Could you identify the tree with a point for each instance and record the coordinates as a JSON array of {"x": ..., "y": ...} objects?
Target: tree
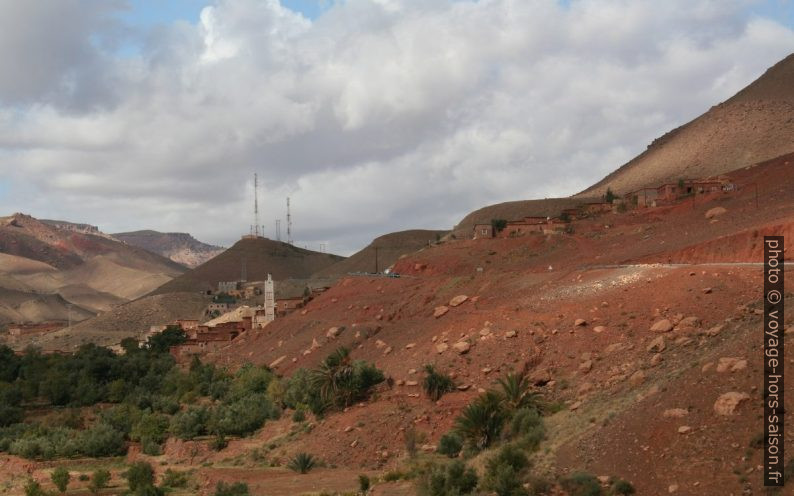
[
  {"x": 99, "y": 480},
  {"x": 516, "y": 393},
  {"x": 139, "y": 475},
  {"x": 609, "y": 196},
  {"x": 498, "y": 225},
  {"x": 481, "y": 422},
  {"x": 61, "y": 477}
]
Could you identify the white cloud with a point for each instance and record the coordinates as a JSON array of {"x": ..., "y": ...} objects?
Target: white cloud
[{"x": 377, "y": 116}]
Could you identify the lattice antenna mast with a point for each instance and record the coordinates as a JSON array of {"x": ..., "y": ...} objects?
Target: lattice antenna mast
[
  {"x": 289, "y": 224},
  {"x": 256, "y": 206}
]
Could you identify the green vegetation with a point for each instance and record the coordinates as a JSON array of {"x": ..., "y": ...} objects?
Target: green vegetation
[
  {"x": 581, "y": 484},
  {"x": 60, "y": 477},
  {"x": 622, "y": 488},
  {"x": 336, "y": 383},
  {"x": 504, "y": 471},
  {"x": 481, "y": 422},
  {"x": 498, "y": 225},
  {"x": 436, "y": 384},
  {"x": 235, "y": 489},
  {"x": 450, "y": 444},
  {"x": 302, "y": 463},
  {"x": 364, "y": 484},
  {"x": 99, "y": 480},
  {"x": 610, "y": 196},
  {"x": 450, "y": 480}
]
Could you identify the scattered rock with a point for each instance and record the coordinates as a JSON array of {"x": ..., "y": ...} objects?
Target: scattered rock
[
  {"x": 727, "y": 364},
  {"x": 580, "y": 322},
  {"x": 675, "y": 413},
  {"x": 672, "y": 488},
  {"x": 657, "y": 345},
  {"x": 599, "y": 329},
  {"x": 586, "y": 366},
  {"x": 510, "y": 334},
  {"x": 275, "y": 363},
  {"x": 485, "y": 332},
  {"x": 656, "y": 359},
  {"x": 727, "y": 403},
  {"x": 410, "y": 345},
  {"x": 706, "y": 290},
  {"x": 715, "y": 330},
  {"x": 439, "y": 311},
  {"x": 464, "y": 387},
  {"x": 684, "y": 429},
  {"x": 539, "y": 377},
  {"x": 706, "y": 367},
  {"x": 637, "y": 378},
  {"x": 663, "y": 325},
  {"x": 458, "y": 300},
  {"x": 461, "y": 347},
  {"x": 387, "y": 350},
  {"x": 442, "y": 347},
  {"x": 575, "y": 406},
  {"x": 411, "y": 383},
  {"x": 715, "y": 212}
]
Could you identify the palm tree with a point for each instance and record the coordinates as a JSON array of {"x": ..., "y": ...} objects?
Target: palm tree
[
  {"x": 333, "y": 372},
  {"x": 302, "y": 463},
  {"x": 481, "y": 422},
  {"x": 516, "y": 393}
]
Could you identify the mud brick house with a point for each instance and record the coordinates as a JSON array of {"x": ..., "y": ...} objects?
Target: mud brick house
[
  {"x": 228, "y": 286},
  {"x": 483, "y": 231},
  {"x": 594, "y": 208},
  {"x": 643, "y": 197},
  {"x": 16, "y": 331}
]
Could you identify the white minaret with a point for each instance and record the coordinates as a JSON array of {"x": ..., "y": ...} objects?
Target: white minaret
[{"x": 270, "y": 300}]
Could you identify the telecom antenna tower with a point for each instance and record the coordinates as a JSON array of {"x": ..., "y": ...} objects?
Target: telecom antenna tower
[
  {"x": 255, "y": 230},
  {"x": 289, "y": 224}
]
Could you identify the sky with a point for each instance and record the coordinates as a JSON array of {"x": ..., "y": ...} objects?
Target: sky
[{"x": 373, "y": 116}]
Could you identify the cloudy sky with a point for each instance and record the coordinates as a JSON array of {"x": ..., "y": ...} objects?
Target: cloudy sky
[{"x": 372, "y": 115}]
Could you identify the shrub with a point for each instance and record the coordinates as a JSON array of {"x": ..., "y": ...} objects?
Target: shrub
[
  {"x": 452, "y": 480},
  {"x": 190, "y": 423},
  {"x": 84, "y": 477},
  {"x": 363, "y": 484},
  {"x": 436, "y": 384},
  {"x": 172, "y": 478},
  {"x": 102, "y": 440},
  {"x": 481, "y": 422},
  {"x": 581, "y": 484},
  {"x": 236, "y": 489},
  {"x": 503, "y": 471},
  {"x": 610, "y": 196},
  {"x": 99, "y": 480},
  {"x": 61, "y": 477},
  {"x": 527, "y": 428},
  {"x": 33, "y": 488},
  {"x": 219, "y": 442},
  {"x": 340, "y": 382},
  {"x": 242, "y": 417},
  {"x": 10, "y": 415},
  {"x": 450, "y": 444},
  {"x": 139, "y": 475},
  {"x": 622, "y": 488},
  {"x": 299, "y": 415},
  {"x": 302, "y": 463}
]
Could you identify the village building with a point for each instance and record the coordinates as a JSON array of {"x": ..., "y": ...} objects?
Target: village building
[
  {"x": 483, "y": 231},
  {"x": 18, "y": 331},
  {"x": 228, "y": 286}
]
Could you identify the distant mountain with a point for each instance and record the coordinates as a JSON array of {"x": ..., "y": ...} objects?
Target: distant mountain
[
  {"x": 389, "y": 247},
  {"x": 46, "y": 266},
  {"x": 755, "y": 125},
  {"x": 257, "y": 257},
  {"x": 179, "y": 247}
]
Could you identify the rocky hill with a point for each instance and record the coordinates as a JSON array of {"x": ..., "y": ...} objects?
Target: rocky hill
[
  {"x": 51, "y": 264},
  {"x": 182, "y": 248},
  {"x": 390, "y": 247},
  {"x": 257, "y": 257},
  {"x": 756, "y": 124}
]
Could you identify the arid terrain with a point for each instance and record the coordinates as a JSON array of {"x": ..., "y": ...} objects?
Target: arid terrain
[{"x": 637, "y": 329}]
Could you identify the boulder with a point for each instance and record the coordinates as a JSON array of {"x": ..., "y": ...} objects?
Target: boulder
[
  {"x": 657, "y": 345},
  {"x": 442, "y": 347},
  {"x": 580, "y": 322},
  {"x": 461, "y": 347},
  {"x": 637, "y": 378},
  {"x": 715, "y": 212},
  {"x": 539, "y": 377},
  {"x": 334, "y": 332},
  {"x": 458, "y": 300},
  {"x": 599, "y": 329},
  {"x": 663, "y": 325},
  {"x": 510, "y": 334},
  {"x": 586, "y": 366},
  {"x": 439, "y": 311},
  {"x": 684, "y": 429},
  {"x": 730, "y": 364},
  {"x": 675, "y": 413},
  {"x": 727, "y": 403}
]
